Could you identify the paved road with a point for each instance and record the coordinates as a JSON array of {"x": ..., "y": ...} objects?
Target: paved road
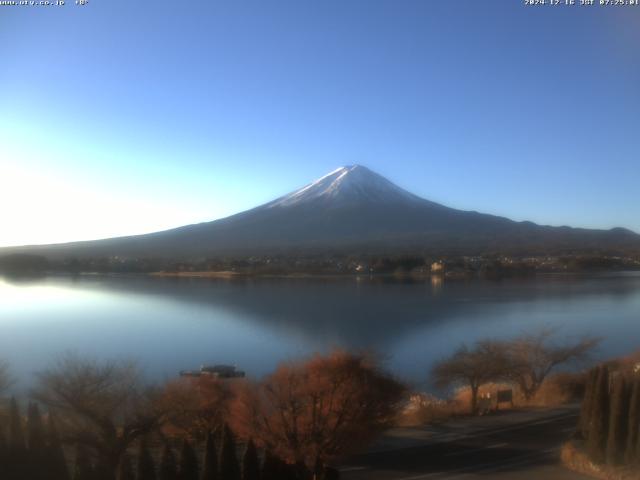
[{"x": 515, "y": 446}]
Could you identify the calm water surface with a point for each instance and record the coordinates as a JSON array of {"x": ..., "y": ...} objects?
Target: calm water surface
[{"x": 174, "y": 324}]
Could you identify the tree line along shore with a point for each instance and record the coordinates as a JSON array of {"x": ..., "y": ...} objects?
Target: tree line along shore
[{"x": 491, "y": 266}]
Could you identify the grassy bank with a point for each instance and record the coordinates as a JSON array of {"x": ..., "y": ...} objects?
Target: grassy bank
[{"x": 575, "y": 458}]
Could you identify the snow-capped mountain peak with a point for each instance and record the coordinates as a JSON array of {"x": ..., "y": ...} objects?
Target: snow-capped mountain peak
[
  {"x": 350, "y": 210},
  {"x": 348, "y": 184}
]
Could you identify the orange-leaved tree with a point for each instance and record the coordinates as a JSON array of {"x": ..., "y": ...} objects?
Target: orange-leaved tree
[
  {"x": 196, "y": 406},
  {"x": 322, "y": 408}
]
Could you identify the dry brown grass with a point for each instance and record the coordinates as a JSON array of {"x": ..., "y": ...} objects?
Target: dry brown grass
[
  {"x": 629, "y": 363},
  {"x": 557, "y": 390},
  {"x": 575, "y": 459},
  {"x": 424, "y": 409}
]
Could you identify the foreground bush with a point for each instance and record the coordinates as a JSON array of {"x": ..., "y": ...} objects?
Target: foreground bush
[
  {"x": 525, "y": 362},
  {"x": 422, "y": 409},
  {"x": 309, "y": 413}
]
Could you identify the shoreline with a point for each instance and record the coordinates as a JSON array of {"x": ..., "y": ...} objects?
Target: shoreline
[
  {"x": 229, "y": 274},
  {"x": 417, "y": 276}
]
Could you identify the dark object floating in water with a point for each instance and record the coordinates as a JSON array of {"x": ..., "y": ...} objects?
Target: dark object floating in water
[{"x": 216, "y": 371}]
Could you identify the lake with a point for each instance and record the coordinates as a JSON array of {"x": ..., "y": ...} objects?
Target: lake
[{"x": 169, "y": 324}]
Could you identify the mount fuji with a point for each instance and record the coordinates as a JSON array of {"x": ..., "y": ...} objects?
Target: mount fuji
[{"x": 351, "y": 209}]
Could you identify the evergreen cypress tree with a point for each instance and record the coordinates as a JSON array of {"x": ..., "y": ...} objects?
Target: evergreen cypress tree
[
  {"x": 35, "y": 429},
  {"x": 125, "y": 469},
  {"x": 587, "y": 402},
  {"x": 83, "y": 470},
  {"x": 18, "y": 466},
  {"x": 300, "y": 470},
  {"x": 146, "y": 468},
  {"x": 598, "y": 426},
  {"x": 16, "y": 433},
  {"x": 633, "y": 430},
  {"x": 331, "y": 474},
  {"x": 318, "y": 469},
  {"x": 56, "y": 461},
  {"x": 618, "y": 422},
  {"x": 4, "y": 455},
  {"x": 250, "y": 462},
  {"x": 168, "y": 465},
  {"x": 285, "y": 470},
  {"x": 636, "y": 460},
  {"x": 210, "y": 464},
  {"x": 36, "y": 442},
  {"x": 188, "y": 462},
  {"x": 229, "y": 466},
  {"x": 270, "y": 467},
  {"x": 103, "y": 471}
]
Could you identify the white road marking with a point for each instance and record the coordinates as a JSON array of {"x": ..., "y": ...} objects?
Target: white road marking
[{"x": 353, "y": 469}]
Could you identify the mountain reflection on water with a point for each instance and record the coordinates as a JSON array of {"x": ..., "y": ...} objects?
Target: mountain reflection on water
[{"x": 168, "y": 324}]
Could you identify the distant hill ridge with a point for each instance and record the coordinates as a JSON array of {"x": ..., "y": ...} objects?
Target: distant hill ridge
[{"x": 349, "y": 209}]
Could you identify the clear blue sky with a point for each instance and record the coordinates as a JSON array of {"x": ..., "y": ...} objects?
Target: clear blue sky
[{"x": 132, "y": 116}]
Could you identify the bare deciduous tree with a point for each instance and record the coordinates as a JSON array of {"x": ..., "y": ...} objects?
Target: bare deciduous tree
[
  {"x": 472, "y": 367},
  {"x": 533, "y": 356},
  {"x": 103, "y": 406},
  {"x": 322, "y": 408}
]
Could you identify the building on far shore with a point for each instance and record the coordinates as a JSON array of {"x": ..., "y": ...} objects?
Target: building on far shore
[{"x": 437, "y": 267}]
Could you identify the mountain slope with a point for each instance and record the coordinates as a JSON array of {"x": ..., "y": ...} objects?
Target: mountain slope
[{"x": 351, "y": 208}]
